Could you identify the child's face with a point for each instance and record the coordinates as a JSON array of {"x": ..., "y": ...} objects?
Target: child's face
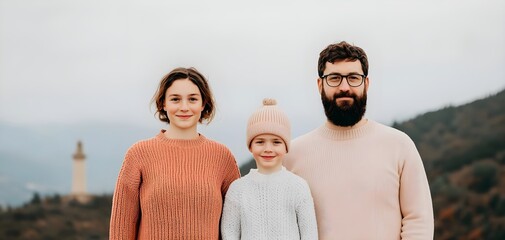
[{"x": 268, "y": 150}]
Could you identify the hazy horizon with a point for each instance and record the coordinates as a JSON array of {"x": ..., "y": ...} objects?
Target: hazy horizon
[{"x": 91, "y": 62}]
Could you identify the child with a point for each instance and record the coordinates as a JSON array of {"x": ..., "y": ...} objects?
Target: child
[{"x": 269, "y": 202}]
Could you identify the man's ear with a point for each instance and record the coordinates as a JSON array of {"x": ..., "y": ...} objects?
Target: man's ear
[
  {"x": 320, "y": 85},
  {"x": 366, "y": 83}
]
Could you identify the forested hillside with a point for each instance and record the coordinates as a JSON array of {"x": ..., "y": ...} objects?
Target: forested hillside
[
  {"x": 57, "y": 217},
  {"x": 463, "y": 149}
]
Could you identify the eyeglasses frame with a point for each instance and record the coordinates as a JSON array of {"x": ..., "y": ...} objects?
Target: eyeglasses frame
[{"x": 325, "y": 78}]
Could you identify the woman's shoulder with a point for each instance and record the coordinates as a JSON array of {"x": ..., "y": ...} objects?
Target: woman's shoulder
[
  {"x": 144, "y": 144},
  {"x": 215, "y": 143},
  {"x": 218, "y": 147}
]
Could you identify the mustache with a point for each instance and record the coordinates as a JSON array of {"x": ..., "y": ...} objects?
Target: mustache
[{"x": 344, "y": 94}]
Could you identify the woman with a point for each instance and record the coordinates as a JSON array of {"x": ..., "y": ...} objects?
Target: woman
[{"x": 172, "y": 185}]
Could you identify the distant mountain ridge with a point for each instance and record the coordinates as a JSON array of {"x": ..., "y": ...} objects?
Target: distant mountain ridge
[{"x": 453, "y": 137}]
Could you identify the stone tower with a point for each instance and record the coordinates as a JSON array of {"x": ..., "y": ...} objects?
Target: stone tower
[{"x": 79, "y": 174}]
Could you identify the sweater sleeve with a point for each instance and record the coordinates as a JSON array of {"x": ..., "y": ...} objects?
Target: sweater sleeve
[
  {"x": 306, "y": 215},
  {"x": 231, "y": 172},
  {"x": 125, "y": 203},
  {"x": 415, "y": 198},
  {"x": 230, "y": 222}
]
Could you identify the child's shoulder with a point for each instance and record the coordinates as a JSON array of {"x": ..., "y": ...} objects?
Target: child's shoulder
[
  {"x": 296, "y": 181},
  {"x": 292, "y": 176},
  {"x": 238, "y": 186},
  {"x": 239, "y": 183}
]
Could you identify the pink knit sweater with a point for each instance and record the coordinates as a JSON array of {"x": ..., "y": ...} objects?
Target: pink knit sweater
[
  {"x": 367, "y": 183},
  {"x": 172, "y": 189}
]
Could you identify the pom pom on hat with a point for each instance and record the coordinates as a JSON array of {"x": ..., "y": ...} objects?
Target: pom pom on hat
[
  {"x": 269, "y": 119},
  {"x": 269, "y": 102}
]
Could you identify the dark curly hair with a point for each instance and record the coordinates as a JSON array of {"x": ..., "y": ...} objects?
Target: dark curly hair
[{"x": 342, "y": 51}]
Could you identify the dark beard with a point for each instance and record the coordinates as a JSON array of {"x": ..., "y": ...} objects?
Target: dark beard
[{"x": 346, "y": 115}]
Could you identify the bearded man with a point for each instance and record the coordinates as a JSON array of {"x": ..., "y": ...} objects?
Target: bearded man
[{"x": 367, "y": 179}]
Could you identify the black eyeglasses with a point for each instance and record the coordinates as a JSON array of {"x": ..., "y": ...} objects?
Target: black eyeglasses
[{"x": 335, "y": 79}]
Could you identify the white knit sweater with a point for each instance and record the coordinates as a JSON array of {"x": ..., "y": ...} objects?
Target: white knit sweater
[{"x": 274, "y": 206}]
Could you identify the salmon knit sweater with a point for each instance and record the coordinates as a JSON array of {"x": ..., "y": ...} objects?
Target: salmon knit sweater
[
  {"x": 172, "y": 189},
  {"x": 367, "y": 183}
]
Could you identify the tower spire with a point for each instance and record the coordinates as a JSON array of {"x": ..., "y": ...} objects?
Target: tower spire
[
  {"x": 79, "y": 154},
  {"x": 79, "y": 174}
]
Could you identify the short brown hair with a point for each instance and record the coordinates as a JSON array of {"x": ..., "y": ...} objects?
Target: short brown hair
[
  {"x": 342, "y": 51},
  {"x": 195, "y": 77}
]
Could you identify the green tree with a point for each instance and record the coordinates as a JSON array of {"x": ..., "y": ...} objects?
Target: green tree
[
  {"x": 484, "y": 176},
  {"x": 36, "y": 199}
]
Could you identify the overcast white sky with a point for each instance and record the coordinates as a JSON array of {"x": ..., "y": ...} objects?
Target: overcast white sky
[{"x": 66, "y": 62}]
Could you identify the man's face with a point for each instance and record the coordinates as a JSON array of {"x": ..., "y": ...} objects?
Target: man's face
[{"x": 343, "y": 105}]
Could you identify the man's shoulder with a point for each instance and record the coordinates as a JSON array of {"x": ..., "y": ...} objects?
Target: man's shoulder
[
  {"x": 385, "y": 130},
  {"x": 300, "y": 147},
  {"x": 306, "y": 138},
  {"x": 393, "y": 137}
]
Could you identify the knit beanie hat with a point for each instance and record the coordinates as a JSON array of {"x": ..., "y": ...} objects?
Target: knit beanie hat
[{"x": 269, "y": 119}]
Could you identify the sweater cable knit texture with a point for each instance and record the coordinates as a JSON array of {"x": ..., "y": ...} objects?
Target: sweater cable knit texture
[{"x": 273, "y": 206}]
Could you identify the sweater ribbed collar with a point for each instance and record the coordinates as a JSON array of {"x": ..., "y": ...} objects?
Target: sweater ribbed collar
[
  {"x": 260, "y": 177},
  {"x": 184, "y": 143},
  {"x": 333, "y": 132}
]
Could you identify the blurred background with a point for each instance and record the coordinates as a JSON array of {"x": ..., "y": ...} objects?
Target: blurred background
[{"x": 86, "y": 71}]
